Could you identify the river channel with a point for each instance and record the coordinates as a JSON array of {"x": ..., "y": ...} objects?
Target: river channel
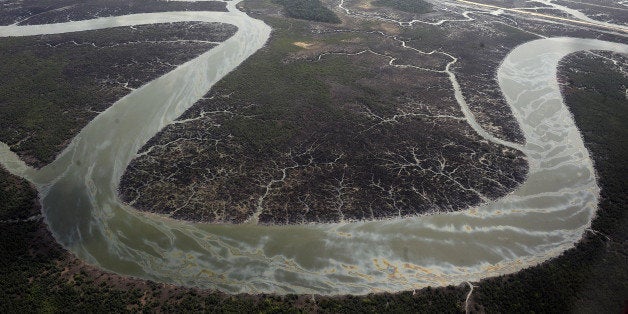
[{"x": 545, "y": 216}]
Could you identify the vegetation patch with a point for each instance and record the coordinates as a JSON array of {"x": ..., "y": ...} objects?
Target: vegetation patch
[
  {"x": 311, "y": 10},
  {"x": 323, "y": 133},
  {"x": 410, "y": 6},
  {"x": 18, "y": 198}
]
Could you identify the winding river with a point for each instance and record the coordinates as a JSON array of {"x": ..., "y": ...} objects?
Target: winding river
[{"x": 543, "y": 217}]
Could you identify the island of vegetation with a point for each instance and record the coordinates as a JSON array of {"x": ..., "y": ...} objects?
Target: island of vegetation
[
  {"x": 342, "y": 122},
  {"x": 326, "y": 124}
]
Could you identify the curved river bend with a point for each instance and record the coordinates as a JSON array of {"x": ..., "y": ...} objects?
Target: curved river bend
[{"x": 542, "y": 218}]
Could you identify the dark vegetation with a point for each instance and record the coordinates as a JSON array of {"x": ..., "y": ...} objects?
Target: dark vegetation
[
  {"x": 298, "y": 138},
  {"x": 311, "y": 10},
  {"x": 410, "y": 6},
  {"x": 36, "y": 275},
  {"x": 32, "y": 12},
  {"x": 52, "y": 85},
  {"x": 18, "y": 199}
]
